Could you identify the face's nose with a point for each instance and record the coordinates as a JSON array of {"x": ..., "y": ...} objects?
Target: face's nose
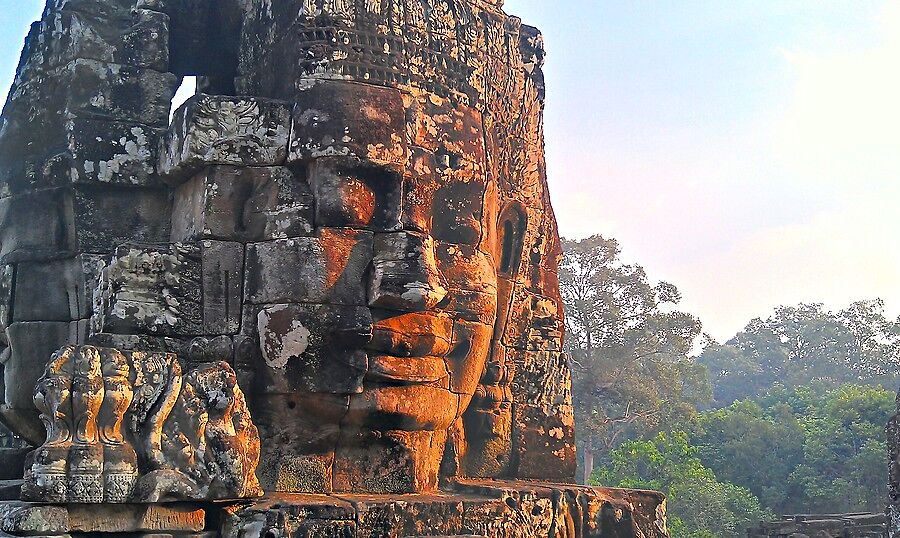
[{"x": 404, "y": 275}]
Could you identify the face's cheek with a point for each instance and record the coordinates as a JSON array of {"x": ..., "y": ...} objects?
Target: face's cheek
[
  {"x": 471, "y": 279},
  {"x": 458, "y": 205}
]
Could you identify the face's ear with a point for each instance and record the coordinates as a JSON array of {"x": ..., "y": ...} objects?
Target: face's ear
[{"x": 511, "y": 231}]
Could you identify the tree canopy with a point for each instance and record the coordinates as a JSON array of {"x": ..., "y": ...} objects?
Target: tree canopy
[
  {"x": 804, "y": 344},
  {"x": 700, "y": 505}
]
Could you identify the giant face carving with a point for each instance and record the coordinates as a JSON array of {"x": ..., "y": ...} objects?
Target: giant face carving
[{"x": 395, "y": 336}]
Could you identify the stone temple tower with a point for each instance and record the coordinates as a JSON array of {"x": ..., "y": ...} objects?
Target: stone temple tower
[{"x": 320, "y": 299}]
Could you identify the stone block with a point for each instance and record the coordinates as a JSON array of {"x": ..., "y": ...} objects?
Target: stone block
[
  {"x": 80, "y": 150},
  {"x": 295, "y": 348},
  {"x": 11, "y": 490},
  {"x": 405, "y": 274},
  {"x": 283, "y": 359},
  {"x": 441, "y": 125},
  {"x": 136, "y": 518},
  {"x": 12, "y": 462},
  {"x": 142, "y": 342},
  {"x": 190, "y": 350},
  {"x": 339, "y": 119},
  {"x": 300, "y": 516},
  {"x": 57, "y": 290},
  {"x": 31, "y": 345},
  {"x": 420, "y": 182},
  {"x": 543, "y": 378},
  {"x": 466, "y": 268},
  {"x": 544, "y": 441},
  {"x": 25, "y": 519},
  {"x": 151, "y": 290},
  {"x": 351, "y": 194},
  {"x": 415, "y": 334},
  {"x": 107, "y": 33},
  {"x": 471, "y": 306},
  {"x": 534, "y": 321},
  {"x": 285, "y": 57},
  {"x": 242, "y": 204},
  {"x": 113, "y": 152},
  {"x": 216, "y": 130},
  {"x": 488, "y": 442},
  {"x": 328, "y": 268},
  {"x": 181, "y": 290},
  {"x": 404, "y": 404},
  {"x": 35, "y": 226},
  {"x": 299, "y": 433},
  {"x": 458, "y": 203},
  {"x": 141, "y": 215},
  {"x": 222, "y": 273},
  {"x": 392, "y": 462},
  {"x": 7, "y": 281},
  {"x": 62, "y": 222},
  {"x": 422, "y": 515},
  {"x": 116, "y": 92},
  {"x": 470, "y": 346},
  {"x": 471, "y": 509}
]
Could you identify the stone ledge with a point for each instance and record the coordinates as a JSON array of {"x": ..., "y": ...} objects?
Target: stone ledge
[
  {"x": 468, "y": 508},
  {"x": 33, "y": 519},
  {"x": 472, "y": 509}
]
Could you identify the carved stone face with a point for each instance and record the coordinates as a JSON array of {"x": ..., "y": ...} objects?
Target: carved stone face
[
  {"x": 432, "y": 285},
  {"x": 395, "y": 333}
]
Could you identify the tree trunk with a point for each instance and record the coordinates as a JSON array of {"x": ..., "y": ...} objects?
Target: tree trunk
[{"x": 588, "y": 468}]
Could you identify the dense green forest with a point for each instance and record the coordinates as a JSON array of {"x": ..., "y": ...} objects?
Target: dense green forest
[{"x": 786, "y": 417}]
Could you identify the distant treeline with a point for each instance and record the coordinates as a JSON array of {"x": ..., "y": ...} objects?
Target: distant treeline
[{"x": 786, "y": 417}]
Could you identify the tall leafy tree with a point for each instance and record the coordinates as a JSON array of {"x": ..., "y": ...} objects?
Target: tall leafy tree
[
  {"x": 844, "y": 466},
  {"x": 735, "y": 440},
  {"x": 629, "y": 346}
]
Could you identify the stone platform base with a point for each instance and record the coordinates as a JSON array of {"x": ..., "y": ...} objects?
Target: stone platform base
[{"x": 468, "y": 509}]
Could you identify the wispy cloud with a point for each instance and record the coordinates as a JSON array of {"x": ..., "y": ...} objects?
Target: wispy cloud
[{"x": 843, "y": 126}]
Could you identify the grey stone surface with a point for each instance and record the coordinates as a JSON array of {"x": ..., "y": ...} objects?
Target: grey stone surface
[
  {"x": 243, "y": 204},
  {"x": 215, "y": 130},
  {"x": 329, "y": 268}
]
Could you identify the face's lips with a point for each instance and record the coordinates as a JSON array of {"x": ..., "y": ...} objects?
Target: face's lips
[{"x": 406, "y": 370}]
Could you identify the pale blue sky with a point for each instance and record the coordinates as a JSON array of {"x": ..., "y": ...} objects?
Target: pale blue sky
[{"x": 745, "y": 150}]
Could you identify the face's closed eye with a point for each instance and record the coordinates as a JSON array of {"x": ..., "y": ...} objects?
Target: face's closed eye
[{"x": 355, "y": 194}]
